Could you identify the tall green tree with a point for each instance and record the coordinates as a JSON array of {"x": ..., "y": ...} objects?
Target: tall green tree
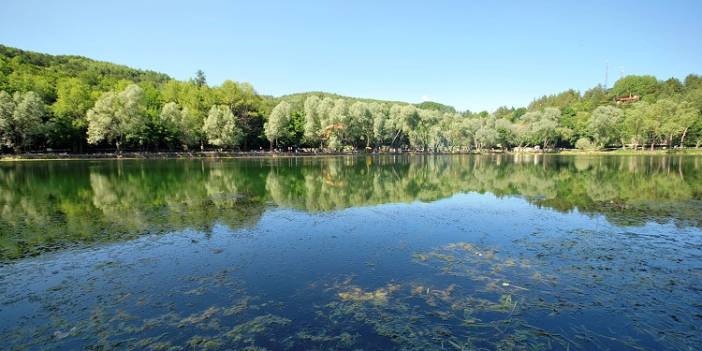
[
  {"x": 7, "y": 109},
  {"x": 27, "y": 119},
  {"x": 636, "y": 122},
  {"x": 68, "y": 124},
  {"x": 312, "y": 123},
  {"x": 180, "y": 125},
  {"x": 361, "y": 122},
  {"x": 605, "y": 125},
  {"x": 117, "y": 117},
  {"x": 277, "y": 125},
  {"x": 643, "y": 86},
  {"x": 221, "y": 127},
  {"x": 200, "y": 79}
]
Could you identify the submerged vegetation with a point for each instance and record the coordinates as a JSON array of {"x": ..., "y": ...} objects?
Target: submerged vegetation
[
  {"x": 467, "y": 296},
  {"x": 77, "y": 104}
]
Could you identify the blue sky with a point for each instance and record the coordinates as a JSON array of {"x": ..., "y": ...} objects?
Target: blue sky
[{"x": 472, "y": 55}]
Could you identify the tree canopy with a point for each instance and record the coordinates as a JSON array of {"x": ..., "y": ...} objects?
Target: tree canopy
[{"x": 74, "y": 103}]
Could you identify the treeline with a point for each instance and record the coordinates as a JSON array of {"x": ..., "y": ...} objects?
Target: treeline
[
  {"x": 74, "y": 103},
  {"x": 638, "y": 111}
]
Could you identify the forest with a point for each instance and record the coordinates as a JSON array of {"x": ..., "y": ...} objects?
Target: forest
[{"x": 75, "y": 104}]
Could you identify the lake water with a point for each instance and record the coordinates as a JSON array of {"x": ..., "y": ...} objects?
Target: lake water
[{"x": 357, "y": 253}]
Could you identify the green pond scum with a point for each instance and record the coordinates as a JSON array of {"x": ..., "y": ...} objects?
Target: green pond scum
[{"x": 492, "y": 252}]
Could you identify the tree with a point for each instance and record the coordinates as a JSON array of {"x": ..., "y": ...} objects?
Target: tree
[
  {"x": 27, "y": 119},
  {"x": 361, "y": 122},
  {"x": 420, "y": 127},
  {"x": 605, "y": 125},
  {"x": 312, "y": 119},
  {"x": 335, "y": 125},
  {"x": 117, "y": 117},
  {"x": 396, "y": 122},
  {"x": 540, "y": 126},
  {"x": 643, "y": 86},
  {"x": 180, "y": 125},
  {"x": 221, "y": 127},
  {"x": 169, "y": 120},
  {"x": 505, "y": 132},
  {"x": 379, "y": 112},
  {"x": 277, "y": 125},
  {"x": 486, "y": 136},
  {"x": 634, "y": 127},
  {"x": 7, "y": 109},
  {"x": 74, "y": 99},
  {"x": 200, "y": 79},
  {"x": 676, "y": 119}
]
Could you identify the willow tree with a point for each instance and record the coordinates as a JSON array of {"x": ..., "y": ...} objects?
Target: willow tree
[
  {"x": 27, "y": 119},
  {"x": 361, "y": 122},
  {"x": 395, "y": 122},
  {"x": 181, "y": 125},
  {"x": 605, "y": 125},
  {"x": 221, "y": 127},
  {"x": 333, "y": 121},
  {"x": 380, "y": 122},
  {"x": 7, "y": 107},
  {"x": 277, "y": 124},
  {"x": 117, "y": 117},
  {"x": 312, "y": 119},
  {"x": 634, "y": 123},
  {"x": 540, "y": 127},
  {"x": 419, "y": 126}
]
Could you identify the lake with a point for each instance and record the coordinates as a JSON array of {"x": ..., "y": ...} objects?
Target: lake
[{"x": 505, "y": 252}]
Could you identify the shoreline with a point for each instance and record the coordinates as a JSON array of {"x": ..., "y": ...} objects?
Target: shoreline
[{"x": 49, "y": 156}]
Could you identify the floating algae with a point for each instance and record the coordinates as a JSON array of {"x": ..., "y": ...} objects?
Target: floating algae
[
  {"x": 203, "y": 343},
  {"x": 237, "y": 308},
  {"x": 483, "y": 265},
  {"x": 421, "y": 316},
  {"x": 343, "y": 340},
  {"x": 377, "y": 296},
  {"x": 198, "y": 318},
  {"x": 248, "y": 331}
]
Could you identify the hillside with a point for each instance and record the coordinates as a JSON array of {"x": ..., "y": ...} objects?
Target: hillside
[{"x": 22, "y": 70}]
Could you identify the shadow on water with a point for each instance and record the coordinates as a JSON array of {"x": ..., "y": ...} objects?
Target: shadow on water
[{"x": 509, "y": 252}]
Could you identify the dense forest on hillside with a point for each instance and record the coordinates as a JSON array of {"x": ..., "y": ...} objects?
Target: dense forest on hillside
[{"x": 73, "y": 103}]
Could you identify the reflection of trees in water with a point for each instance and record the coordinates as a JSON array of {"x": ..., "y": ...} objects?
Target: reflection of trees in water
[{"x": 49, "y": 204}]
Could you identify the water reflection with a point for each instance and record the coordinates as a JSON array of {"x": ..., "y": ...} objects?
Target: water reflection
[
  {"x": 497, "y": 252},
  {"x": 45, "y": 205}
]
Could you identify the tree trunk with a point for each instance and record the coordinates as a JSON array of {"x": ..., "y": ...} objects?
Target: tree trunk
[
  {"x": 396, "y": 135},
  {"x": 682, "y": 139}
]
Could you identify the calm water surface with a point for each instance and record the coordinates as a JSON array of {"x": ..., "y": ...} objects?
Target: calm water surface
[{"x": 365, "y": 253}]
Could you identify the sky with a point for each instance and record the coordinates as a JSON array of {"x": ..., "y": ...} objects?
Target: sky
[{"x": 475, "y": 55}]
